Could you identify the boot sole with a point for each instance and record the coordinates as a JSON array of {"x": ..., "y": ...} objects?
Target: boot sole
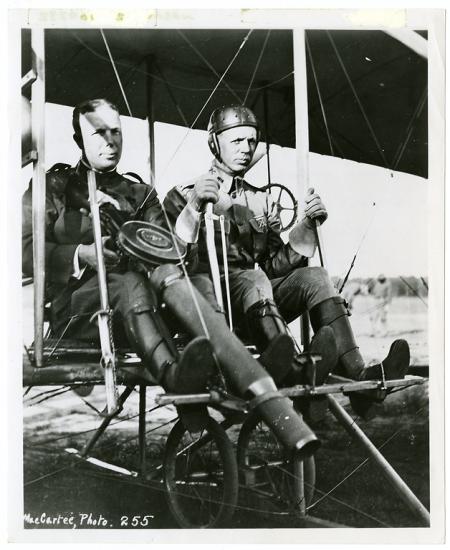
[
  {"x": 196, "y": 367},
  {"x": 396, "y": 364}
]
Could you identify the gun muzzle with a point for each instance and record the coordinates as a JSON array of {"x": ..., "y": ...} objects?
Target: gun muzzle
[
  {"x": 244, "y": 374},
  {"x": 286, "y": 423}
]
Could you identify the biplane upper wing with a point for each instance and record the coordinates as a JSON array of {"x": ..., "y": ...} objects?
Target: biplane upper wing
[{"x": 367, "y": 92}]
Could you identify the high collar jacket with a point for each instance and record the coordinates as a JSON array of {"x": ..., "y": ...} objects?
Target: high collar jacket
[{"x": 66, "y": 226}]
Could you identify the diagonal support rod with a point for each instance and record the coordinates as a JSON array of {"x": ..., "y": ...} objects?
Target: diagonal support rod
[{"x": 397, "y": 483}]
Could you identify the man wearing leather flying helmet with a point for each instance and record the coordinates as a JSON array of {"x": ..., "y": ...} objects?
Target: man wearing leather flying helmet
[
  {"x": 135, "y": 295},
  {"x": 265, "y": 299}
]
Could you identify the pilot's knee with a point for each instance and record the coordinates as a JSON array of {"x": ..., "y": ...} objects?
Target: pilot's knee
[
  {"x": 254, "y": 287},
  {"x": 316, "y": 284}
]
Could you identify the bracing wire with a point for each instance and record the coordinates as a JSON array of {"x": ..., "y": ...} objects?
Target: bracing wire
[
  {"x": 171, "y": 84},
  {"x": 169, "y": 225},
  {"x": 90, "y": 430},
  {"x": 244, "y": 41},
  {"x": 365, "y": 461},
  {"x": 417, "y": 112},
  {"x": 413, "y": 290},
  {"x": 207, "y": 63},
  {"x": 352, "y": 264},
  {"x": 255, "y": 70},
  {"x": 322, "y": 107},
  {"x": 123, "y": 92},
  {"x": 360, "y": 105},
  {"x": 316, "y": 82},
  {"x": 116, "y": 72}
]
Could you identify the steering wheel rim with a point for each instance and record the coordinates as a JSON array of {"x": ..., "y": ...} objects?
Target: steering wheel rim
[{"x": 284, "y": 191}]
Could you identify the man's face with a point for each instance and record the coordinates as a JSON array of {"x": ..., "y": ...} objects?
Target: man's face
[
  {"x": 102, "y": 138},
  {"x": 237, "y": 146}
]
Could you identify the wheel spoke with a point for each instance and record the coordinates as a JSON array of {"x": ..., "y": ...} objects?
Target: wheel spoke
[
  {"x": 268, "y": 474},
  {"x": 200, "y": 475}
]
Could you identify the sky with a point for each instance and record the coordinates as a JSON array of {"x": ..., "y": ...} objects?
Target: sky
[{"x": 382, "y": 213}]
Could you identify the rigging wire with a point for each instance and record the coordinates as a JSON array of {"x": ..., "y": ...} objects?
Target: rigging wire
[
  {"x": 399, "y": 153},
  {"x": 50, "y": 393},
  {"x": 54, "y": 472},
  {"x": 169, "y": 225},
  {"x": 425, "y": 284},
  {"x": 182, "y": 264},
  {"x": 116, "y": 72},
  {"x": 166, "y": 168},
  {"x": 177, "y": 86},
  {"x": 213, "y": 501},
  {"x": 352, "y": 264},
  {"x": 243, "y": 43},
  {"x": 255, "y": 70},
  {"x": 316, "y": 81},
  {"x": 207, "y": 63},
  {"x": 365, "y": 461},
  {"x": 324, "y": 495},
  {"x": 55, "y": 394},
  {"x": 413, "y": 291},
  {"x": 90, "y": 430},
  {"x": 415, "y": 116},
  {"x": 156, "y": 486},
  {"x": 355, "y": 93},
  {"x": 117, "y": 444}
]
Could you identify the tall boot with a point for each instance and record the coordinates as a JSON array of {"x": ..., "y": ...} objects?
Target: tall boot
[
  {"x": 242, "y": 372},
  {"x": 269, "y": 331},
  {"x": 333, "y": 313},
  {"x": 150, "y": 338}
]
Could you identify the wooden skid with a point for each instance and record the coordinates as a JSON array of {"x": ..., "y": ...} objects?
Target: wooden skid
[
  {"x": 133, "y": 373},
  {"x": 82, "y": 373},
  {"x": 101, "y": 463}
]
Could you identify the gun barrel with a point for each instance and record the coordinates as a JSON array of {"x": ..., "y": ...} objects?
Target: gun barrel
[{"x": 242, "y": 371}]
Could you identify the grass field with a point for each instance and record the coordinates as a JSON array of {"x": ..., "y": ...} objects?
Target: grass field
[{"x": 55, "y": 484}]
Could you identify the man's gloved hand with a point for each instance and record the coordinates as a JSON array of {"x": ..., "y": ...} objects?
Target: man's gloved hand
[
  {"x": 87, "y": 255},
  {"x": 204, "y": 191},
  {"x": 314, "y": 208},
  {"x": 302, "y": 238},
  {"x": 102, "y": 198}
]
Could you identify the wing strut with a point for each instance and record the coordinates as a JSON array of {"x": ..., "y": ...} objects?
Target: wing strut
[{"x": 38, "y": 197}]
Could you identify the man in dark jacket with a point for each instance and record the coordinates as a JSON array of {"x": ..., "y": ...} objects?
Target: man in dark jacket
[
  {"x": 285, "y": 285},
  {"x": 135, "y": 296},
  {"x": 71, "y": 277}
]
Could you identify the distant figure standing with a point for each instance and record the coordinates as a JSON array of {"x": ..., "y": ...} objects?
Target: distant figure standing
[{"x": 382, "y": 294}]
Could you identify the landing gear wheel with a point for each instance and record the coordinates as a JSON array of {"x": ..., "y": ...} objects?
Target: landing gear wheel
[
  {"x": 200, "y": 476},
  {"x": 269, "y": 475}
]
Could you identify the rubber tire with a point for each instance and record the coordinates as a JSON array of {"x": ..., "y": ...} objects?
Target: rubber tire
[
  {"x": 230, "y": 486},
  {"x": 309, "y": 466}
]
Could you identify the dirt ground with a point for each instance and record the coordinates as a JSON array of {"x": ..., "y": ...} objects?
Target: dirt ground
[{"x": 57, "y": 485}]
